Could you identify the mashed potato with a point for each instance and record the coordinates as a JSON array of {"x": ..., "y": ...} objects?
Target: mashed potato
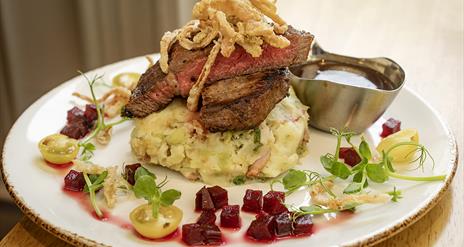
[{"x": 174, "y": 138}]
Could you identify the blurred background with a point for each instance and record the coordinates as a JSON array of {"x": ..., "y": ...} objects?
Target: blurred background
[{"x": 44, "y": 42}]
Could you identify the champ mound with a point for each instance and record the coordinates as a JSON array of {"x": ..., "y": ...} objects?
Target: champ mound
[
  {"x": 230, "y": 63},
  {"x": 174, "y": 138}
]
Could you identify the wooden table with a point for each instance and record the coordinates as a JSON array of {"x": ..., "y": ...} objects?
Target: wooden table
[{"x": 427, "y": 39}]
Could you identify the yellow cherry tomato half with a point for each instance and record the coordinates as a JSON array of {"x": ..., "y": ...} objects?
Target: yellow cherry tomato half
[
  {"x": 58, "y": 149},
  {"x": 127, "y": 79},
  {"x": 403, "y": 153},
  {"x": 167, "y": 222}
]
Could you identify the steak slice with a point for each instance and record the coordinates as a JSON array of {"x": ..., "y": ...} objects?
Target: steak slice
[
  {"x": 155, "y": 89},
  {"x": 242, "y": 102}
]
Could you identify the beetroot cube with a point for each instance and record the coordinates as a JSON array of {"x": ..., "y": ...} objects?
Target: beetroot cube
[
  {"x": 349, "y": 156},
  {"x": 196, "y": 234},
  {"x": 129, "y": 172},
  {"x": 74, "y": 181},
  {"x": 253, "y": 201},
  {"x": 90, "y": 114},
  {"x": 303, "y": 225},
  {"x": 207, "y": 218},
  {"x": 76, "y": 129},
  {"x": 283, "y": 225},
  {"x": 75, "y": 114},
  {"x": 262, "y": 228},
  {"x": 212, "y": 234},
  {"x": 230, "y": 216},
  {"x": 219, "y": 196},
  {"x": 273, "y": 202},
  {"x": 390, "y": 126},
  {"x": 203, "y": 200}
]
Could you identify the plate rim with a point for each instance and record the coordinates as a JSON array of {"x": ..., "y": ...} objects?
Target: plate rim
[{"x": 78, "y": 240}]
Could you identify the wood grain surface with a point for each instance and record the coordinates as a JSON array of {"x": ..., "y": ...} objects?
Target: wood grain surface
[{"x": 427, "y": 39}]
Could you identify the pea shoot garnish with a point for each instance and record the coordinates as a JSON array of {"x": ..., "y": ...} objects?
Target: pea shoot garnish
[
  {"x": 395, "y": 194},
  {"x": 295, "y": 179},
  {"x": 147, "y": 188},
  {"x": 87, "y": 147},
  {"x": 92, "y": 184},
  {"x": 368, "y": 169}
]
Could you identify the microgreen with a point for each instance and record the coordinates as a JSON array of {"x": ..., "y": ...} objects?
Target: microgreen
[
  {"x": 257, "y": 139},
  {"x": 239, "y": 180},
  {"x": 92, "y": 186},
  {"x": 141, "y": 171},
  {"x": 396, "y": 194},
  {"x": 87, "y": 147},
  {"x": 295, "y": 179},
  {"x": 316, "y": 209},
  {"x": 147, "y": 188},
  {"x": 377, "y": 172},
  {"x": 87, "y": 150}
]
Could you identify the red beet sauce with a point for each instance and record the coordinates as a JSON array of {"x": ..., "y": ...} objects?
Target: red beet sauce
[{"x": 84, "y": 201}]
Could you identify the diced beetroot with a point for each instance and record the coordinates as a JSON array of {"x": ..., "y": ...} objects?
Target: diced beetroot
[
  {"x": 212, "y": 234},
  {"x": 207, "y": 218},
  {"x": 219, "y": 196},
  {"x": 203, "y": 200},
  {"x": 262, "y": 228},
  {"x": 283, "y": 224},
  {"x": 196, "y": 234},
  {"x": 74, "y": 181},
  {"x": 192, "y": 234},
  {"x": 253, "y": 201},
  {"x": 76, "y": 130},
  {"x": 75, "y": 114},
  {"x": 273, "y": 202},
  {"x": 90, "y": 114},
  {"x": 349, "y": 155},
  {"x": 129, "y": 172},
  {"x": 230, "y": 216},
  {"x": 390, "y": 126},
  {"x": 303, "y": 225}
]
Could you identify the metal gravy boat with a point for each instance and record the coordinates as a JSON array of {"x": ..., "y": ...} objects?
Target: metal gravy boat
[{"x": 342, "y": 106}]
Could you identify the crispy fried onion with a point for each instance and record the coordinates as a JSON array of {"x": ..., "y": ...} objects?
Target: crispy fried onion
[
  {"x": 112, "y": 183},
  {"x": 113, "y": 100},
  {"x": 320, "y": 197},
  {"x": 194, "y": 95},
  {"x": 247, "y": 23}
]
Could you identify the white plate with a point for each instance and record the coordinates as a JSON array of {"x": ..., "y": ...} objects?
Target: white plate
[{"x": 37, "y": 189}]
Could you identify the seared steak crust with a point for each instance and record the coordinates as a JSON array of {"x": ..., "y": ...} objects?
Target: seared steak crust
[
  {"x": 156, "y": 90},
  {"x": 242, "y": 102}
]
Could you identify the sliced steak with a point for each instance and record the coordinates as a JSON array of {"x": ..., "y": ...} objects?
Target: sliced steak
[
  {"x": 155, "y": 89},
  {"x": 242, "y": 102}
]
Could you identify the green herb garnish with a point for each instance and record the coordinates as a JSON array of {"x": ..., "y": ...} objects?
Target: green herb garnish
[
  {"x": 396, "y": 194},
  {"x": 377, "y": 172},
  {"x": 92, "y": 186},
  {"x": 257, "y": 139},
  {"x": 239, "y": 180},
  {"x": 295, "y": 179},
  {"x": 146, "y": 187},
  {"x": 87, "y": 147}
]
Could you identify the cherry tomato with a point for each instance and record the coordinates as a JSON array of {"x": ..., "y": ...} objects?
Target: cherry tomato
[
  {"x": 403, "y": 153},
  {"x": 58, "y": 149},
  {"x": 167, "y": 222}
]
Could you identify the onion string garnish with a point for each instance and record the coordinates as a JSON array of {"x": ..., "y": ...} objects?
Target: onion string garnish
[{"x": 87, "y": 146}]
